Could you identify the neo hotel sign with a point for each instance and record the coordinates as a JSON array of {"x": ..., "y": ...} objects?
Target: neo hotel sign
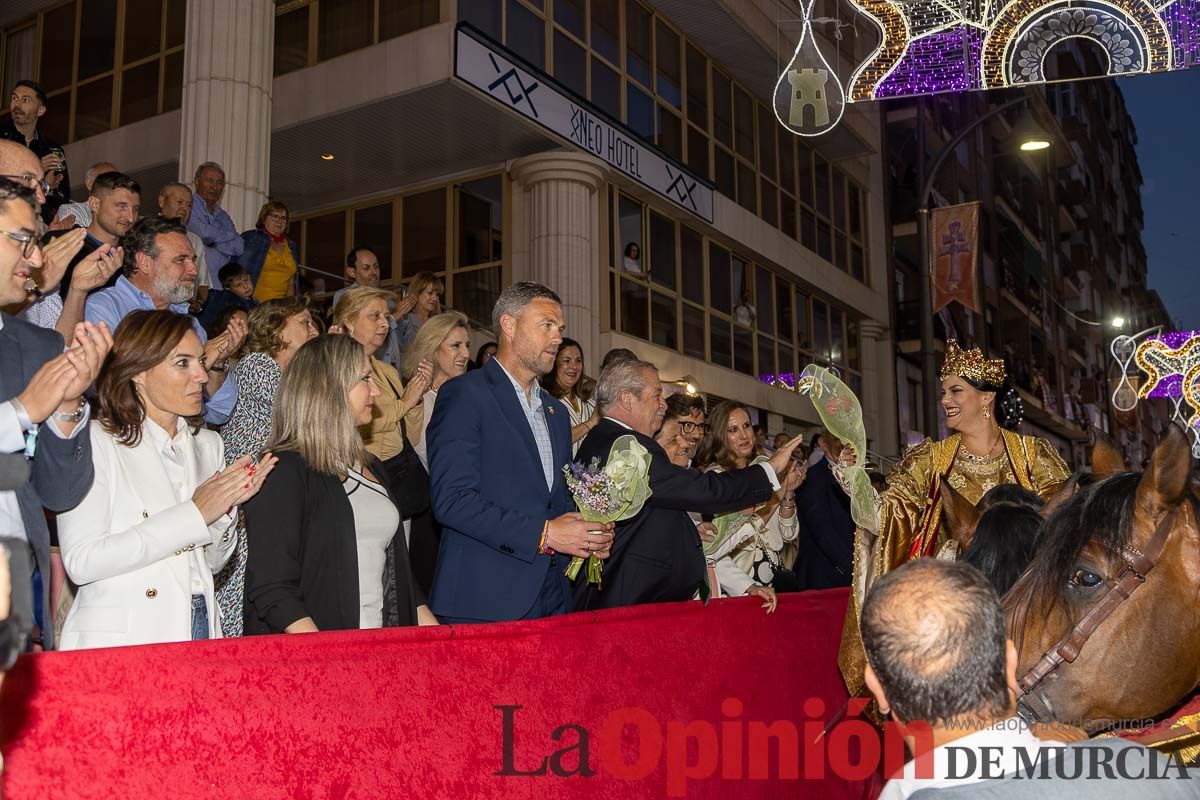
[{"x": 493, "y": 71}]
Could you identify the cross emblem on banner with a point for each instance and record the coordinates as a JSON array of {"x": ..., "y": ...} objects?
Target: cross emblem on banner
[{"x": 954, "y": 244}]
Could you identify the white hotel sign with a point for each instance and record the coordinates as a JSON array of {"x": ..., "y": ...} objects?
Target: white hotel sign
[{"x": 492, "y": 71}]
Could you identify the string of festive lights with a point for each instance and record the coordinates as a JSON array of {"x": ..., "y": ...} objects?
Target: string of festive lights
[
  {"x": 1165, "y": 357},
  {"x": 1191, "y": 393},
  {"x": 937, "y": 63},
  {"x": 1122, "y": 43},
  {"x": 893, "y": 26},
  {"x": 1016, "y": 16},
  {"x": 1182, "y": 19},
  {"x": 932, "y": 46}
]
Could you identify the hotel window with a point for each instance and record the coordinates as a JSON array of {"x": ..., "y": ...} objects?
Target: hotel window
[
  {"x": 692, "y": 294},
  {"x": 103, "y": 63},
  {"x": 633, "y": 64},
  {"x": 310, "y": 31},
  {"x": 455, "y": 231}
]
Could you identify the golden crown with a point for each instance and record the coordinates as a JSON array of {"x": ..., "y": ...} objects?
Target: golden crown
[{"x": 971, "y": 364}]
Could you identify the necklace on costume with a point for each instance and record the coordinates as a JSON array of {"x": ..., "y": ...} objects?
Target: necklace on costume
[{"x": 987, "y": 458}]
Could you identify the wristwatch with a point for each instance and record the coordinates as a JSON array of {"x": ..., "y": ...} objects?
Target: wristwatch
[{"x": 73, "y": 417}]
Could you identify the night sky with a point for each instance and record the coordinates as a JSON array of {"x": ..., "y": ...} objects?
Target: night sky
[{"x": 1166, "y": 110}]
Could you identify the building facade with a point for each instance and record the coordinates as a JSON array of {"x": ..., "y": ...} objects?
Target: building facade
[
  {"x": 1061, "y": 257},
  {"x": 623, "y": 152}
]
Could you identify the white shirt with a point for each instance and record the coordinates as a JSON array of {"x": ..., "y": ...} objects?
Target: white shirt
[
  {"x": 45, "y": 311},
  {"x": 421, "y": 446},
  {"x": 202, "y": 276},
  {"x": 179, "y": 463},
  {"x": 586, "y": 409},
  {"x": 1004, "y": 739},
  {"x": 81, "y": 211},
  {"x": 375, "y": 521},
  {"x": 12, "y": 440}
]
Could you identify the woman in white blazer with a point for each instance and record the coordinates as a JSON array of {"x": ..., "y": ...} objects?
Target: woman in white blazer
[{"x": 160, "y": 517}]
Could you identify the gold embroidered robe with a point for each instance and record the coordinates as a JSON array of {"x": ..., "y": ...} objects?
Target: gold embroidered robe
[{"x": 910, "y": 513}]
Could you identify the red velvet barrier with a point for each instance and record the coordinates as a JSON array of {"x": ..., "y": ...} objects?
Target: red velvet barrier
[{"x": 413, "y": 712}]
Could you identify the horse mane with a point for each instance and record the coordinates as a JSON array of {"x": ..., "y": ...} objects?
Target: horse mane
[{"x": 1102, "y": 513}]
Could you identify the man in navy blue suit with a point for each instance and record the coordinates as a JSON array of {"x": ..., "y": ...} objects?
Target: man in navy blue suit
[
  {"x": 497, "y": 447},
  {"x": 826, "y": 558}
]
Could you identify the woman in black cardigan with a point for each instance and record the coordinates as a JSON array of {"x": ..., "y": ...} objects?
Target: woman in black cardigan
[{"x": 326, "y": 547}]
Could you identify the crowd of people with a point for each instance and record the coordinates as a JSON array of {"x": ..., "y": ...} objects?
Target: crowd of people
[
  {"x": 208, "y": 452},
  {"x": 733, "y": 511},
  {"x": 226, "y": 455}
]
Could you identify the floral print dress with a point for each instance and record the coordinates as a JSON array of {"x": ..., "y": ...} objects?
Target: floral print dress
[{"x": 247, "y": 431}]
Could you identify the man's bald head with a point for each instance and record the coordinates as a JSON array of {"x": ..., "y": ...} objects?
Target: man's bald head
[
  {"x": 934, "y": 634},
  {"x": 17, "y": 159},
  {"x": 21, "y": 164},
  {"x": 96, "y": 170}
]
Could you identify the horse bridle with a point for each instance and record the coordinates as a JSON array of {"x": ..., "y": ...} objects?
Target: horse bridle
[{"x": 1138, "y": 565}]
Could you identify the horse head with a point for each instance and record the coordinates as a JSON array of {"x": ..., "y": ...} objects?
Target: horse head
[
  {"x": 959, "y": 517},
  {"x": 1142, "y": 655}
]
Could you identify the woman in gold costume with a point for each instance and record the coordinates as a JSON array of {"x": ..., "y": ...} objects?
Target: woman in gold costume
[{"x": 980, "y": 452}]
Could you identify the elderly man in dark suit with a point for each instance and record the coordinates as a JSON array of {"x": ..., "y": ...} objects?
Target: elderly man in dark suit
[
  {"x": 656, "y": 555},
  {"x": 826, "y": 558},
  {"x": 43, "y": 414},
  {"x": 497, "y": 448}
]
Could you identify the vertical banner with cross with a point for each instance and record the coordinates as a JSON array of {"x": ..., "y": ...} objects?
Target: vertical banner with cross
[{"x": 954, "y": 245}]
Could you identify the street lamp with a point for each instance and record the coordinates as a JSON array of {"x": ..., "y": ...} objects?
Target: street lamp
[{"x": 1031, "y": 137}]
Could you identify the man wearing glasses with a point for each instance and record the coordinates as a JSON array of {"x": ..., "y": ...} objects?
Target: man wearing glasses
[
  {"x": 688, "y": 411},
  {"x": 19, "y": 164},
  {"x": 43, "y": 416},
  {"x": 27, "y": 106}
]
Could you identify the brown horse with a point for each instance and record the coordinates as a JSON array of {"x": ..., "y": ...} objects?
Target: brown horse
[{"x": 1125, "y": 531}]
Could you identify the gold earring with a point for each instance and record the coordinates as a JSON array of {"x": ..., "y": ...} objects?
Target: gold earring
[{"x": 987, "y": 413}]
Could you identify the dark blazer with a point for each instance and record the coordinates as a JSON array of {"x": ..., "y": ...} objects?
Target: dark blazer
[
  {"x": 826, "y": 558},
  {"x": 302, "y": 558},
  {"x": 62, "y": 468},
  {"x": 489, "y": 494},
  {"x": 656, "y": 556},
  {"x": 254, "y": 255}
]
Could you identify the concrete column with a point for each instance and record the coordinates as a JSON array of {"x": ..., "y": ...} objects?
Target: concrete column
[
  {"x": 879, "y": 387},
  {"x": 227, "y": 83},
  {"x": 560, "y": 194}
]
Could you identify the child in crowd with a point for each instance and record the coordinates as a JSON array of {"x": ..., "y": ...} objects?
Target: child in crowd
[{"x": 236, "y": 292}]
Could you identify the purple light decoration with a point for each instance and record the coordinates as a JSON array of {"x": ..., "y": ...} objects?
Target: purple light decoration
[
  {"x": 946, "y": 61},
  {"x": 949, "y": 60},
  {"x": 1172, "y": 385},
  {"x": 1174, "y": 339},
  {"x": 1169, "y": 387},
  {"x": 1182, "y": 19}
]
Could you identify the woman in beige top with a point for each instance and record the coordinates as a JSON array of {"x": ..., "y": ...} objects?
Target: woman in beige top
[
  {"x": 444, "y": 341},
  {"x": 362, "y": 313}
]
